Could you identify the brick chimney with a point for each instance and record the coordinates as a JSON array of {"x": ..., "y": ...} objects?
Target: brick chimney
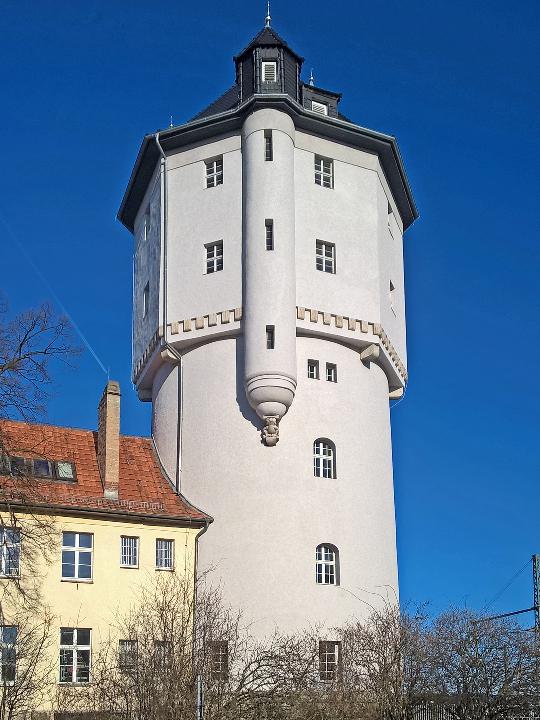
[{"x": 108, "y": 443}]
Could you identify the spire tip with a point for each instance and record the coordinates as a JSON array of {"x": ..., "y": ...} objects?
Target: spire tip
[{"x": 267, "y": 19}]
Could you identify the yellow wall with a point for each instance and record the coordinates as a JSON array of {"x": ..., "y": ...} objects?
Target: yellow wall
[{"x": 113, "y": 589}]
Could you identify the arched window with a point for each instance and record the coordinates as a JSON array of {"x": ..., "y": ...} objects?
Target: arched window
[
  {"x": 324, "y": 458},
  {"x": 327, "y": 565}
]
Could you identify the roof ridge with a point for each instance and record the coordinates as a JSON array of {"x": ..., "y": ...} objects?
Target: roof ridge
[{"x": 24, "y": 423}]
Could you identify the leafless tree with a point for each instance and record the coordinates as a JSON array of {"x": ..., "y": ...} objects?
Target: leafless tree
[{"x": 483, "y": 669}]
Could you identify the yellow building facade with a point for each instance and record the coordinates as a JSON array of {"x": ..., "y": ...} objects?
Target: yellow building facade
[{"x": 89, "y": 523}]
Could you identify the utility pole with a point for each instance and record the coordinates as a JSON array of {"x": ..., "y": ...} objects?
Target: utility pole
[{"x": 536, "y": 590}]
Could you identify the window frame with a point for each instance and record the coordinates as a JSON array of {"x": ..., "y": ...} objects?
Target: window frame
[
  {"x": 213, "y": 171},
  {"x": 219, "y": 660},
  {"x": 270, "y": 337},
  {"x": 325, "y": 262},
  {"x": 268, "y": 146},
  {"x": 123, "y": 564},
  {"x": 7, "y": 555},
  {"x": 315, "y": 365},
  {"x": 327, "y": 569},
  {"x": 331, "y": 372},
  {"x": 326, "y": 675},
  {"x": 77, "y": 549},
  {"x": 5, "y": 649},
  {"x": 324, "y": 459},
  {"x": 264, "y": 65},
  {"x": 128, "y": 656},
  {"x": 324, "y": 172},
  {"x": 169, "y": 568},
  {"x": 213, "y": 261},
  {"x": 64, "y": 478},
  {"x": 75, "y": 648}
]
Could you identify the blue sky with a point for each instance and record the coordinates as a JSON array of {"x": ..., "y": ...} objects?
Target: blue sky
[{"x": 457, "y": 83}]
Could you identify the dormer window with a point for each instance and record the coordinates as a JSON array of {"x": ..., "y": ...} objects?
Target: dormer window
[
  {"x": 269, "y": 72},
  {"x": 319, "y": 107}
]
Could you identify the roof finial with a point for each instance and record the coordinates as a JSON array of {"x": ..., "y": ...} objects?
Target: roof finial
[
  {"x": 311, "y": 78},
  {"x": 171, "y": 123},
  {"x": 267, "y": 19}
]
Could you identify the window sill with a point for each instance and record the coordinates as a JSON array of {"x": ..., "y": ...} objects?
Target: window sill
[
  {"x": 10, "y": 577},
  {"x": 160, "y": 569},
  {"x": 74, "y": 684},
  {"x": 82, "y": 581},
  {"x": 129, "y": 567}
]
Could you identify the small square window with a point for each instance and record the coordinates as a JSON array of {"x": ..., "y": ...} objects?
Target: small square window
[
  {"x": 324, "y": 172},
  {"x": 145, "y": 299},
  {"x": 269, "y": 71},
  {"x": 325, "y": 256},
  {"x": 313, "y": 369},
  {"x": 270, "y": 337},
  {"x": 214, "y": 257},
  {"x": 268, "y": 146},
  {"x": 214, "y": 171},
  {"x": 318, "y": 107},
  {"x": 269, "y": 232},
  {"x": 65, "y": 470},
  {"x": 331, "y": 372}
]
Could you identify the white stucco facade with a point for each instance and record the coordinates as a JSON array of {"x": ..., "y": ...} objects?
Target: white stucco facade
[{"x": 235, "y": 414}]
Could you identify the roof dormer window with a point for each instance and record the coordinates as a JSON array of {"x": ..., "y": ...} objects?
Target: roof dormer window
[
  {"x": 269, "y": 71},
  {"x": 319, "y": 107}
]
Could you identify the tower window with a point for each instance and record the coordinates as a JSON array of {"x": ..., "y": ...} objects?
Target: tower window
[
  {"x": 145, "y": 299},
  {"x": 214, "y": 171},
  {"x": 268, "y": 146},
  {"x": 324, "y": 459},
  {"x": 269, "y": 72},
  {"x": 329, "y": 660},
  {"x": 313, "y": 369},
  {"x": 391, "y": 295},
  {"x": 324, "y": 172},
  {"x": 331, "y": 372},
  {"x": 325, "y": 256},
  {"x": 269, "y": 230},
  {"x": 327, "y": 565},
  {"x": 270, "y": 337},
  {"x": 214, "y": 257},
  {"x": 147, "y": 225},
  {"x": 219, "y": 660},
  {"x": 8, "y": 653},
  {"x": 318, "y": 107}
]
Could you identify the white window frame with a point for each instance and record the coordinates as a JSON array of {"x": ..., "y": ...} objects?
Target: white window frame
[
  {"x": 75, "y": 648},
  {"x": 10, "y": 551},
  {"x": 313, "y": 369},
  {"x": 331, "y": 372},
  {"x": 7, "y": 649},
  {"x": 129, "y": 551},
  {"x": 324, "y": 172},
  {"x": 324, "y": 459},
  {"x": 213, "y": 172},
  {"x": 329, "y": 660},
  {"x": 269, "y": 67},
  {"x": 163, "y": 555},
  {"x": 326, "y": 565},
  {"x": 77, "y": 548},
  {"x": 325, "y": 257},
  {"x": 319, "y": 107},
  {"x": 213, "y": 257}
]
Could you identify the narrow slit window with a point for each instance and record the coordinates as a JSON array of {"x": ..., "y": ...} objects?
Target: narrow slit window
[
  {"x": 270, "y": 337},
  {"x": 214, "y": 257},
  {"x": 145, "y": 300},
  {"x": 391, "y": 295},
  {"x": 269, "y": 72},
  {"x": 268, "y": 146},
  {"x": 329, "y": 660},
  {"x": 147, "y": 223},
  {"x": 313, "y": 369},
  {"x": 269, "y": 231},
  {"x": 331, "y": 372}
]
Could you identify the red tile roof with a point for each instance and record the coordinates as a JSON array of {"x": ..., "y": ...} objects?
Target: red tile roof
[{"x": 143, "y": 489}]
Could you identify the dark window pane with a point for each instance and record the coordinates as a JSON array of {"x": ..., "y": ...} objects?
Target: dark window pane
[
  {"x": 68, "y": 539},
  {"x": 42, "y": 468},
  {"x": 83, "y": 636},
  {"x": 66, "y": 636},
  {"x": 85, "y": 540}
]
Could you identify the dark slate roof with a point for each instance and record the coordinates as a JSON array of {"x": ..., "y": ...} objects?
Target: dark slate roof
[
  {"x": 268, "y": 38},
  {"x": 225, "y": 102}
]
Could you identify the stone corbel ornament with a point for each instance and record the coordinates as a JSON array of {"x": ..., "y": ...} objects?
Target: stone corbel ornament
[
  {"x": 370, "y": 354},
  {"x": 270, "y": 431}
]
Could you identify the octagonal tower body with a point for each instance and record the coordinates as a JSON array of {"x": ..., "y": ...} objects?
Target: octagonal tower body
[{"x": 223, "y": 355}]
